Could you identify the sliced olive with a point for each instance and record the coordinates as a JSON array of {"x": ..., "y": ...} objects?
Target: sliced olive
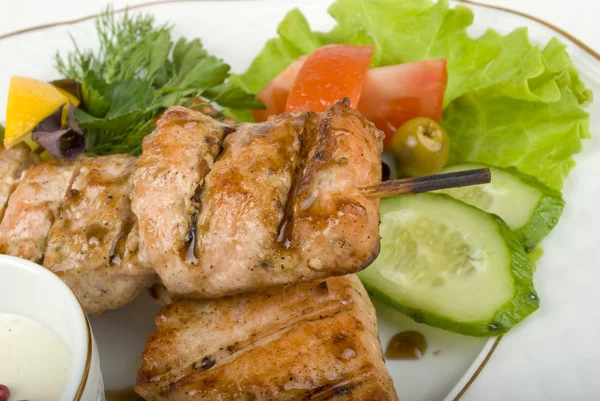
[{"x": 421, "y": 146}]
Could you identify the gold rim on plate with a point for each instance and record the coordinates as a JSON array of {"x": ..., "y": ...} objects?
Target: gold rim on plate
[
  {"x": 88, "y": 359},
  {"x": 562, "y": 32}
]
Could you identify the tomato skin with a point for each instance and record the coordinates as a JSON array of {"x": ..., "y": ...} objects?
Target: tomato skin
[
  {"x": 390, "y": 95},
  {"x": 396, "y": 94},
  {"x": 275, "y": 94},
  {"x": 330, "y": 74}
]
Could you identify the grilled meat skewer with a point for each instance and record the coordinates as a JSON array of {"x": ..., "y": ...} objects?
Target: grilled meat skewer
[{"x": 286, "y": 201}]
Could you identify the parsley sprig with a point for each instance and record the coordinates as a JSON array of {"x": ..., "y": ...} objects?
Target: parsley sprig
[{"x": 136, "y": 72}]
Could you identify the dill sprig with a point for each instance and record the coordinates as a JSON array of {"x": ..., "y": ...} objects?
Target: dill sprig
[{"x": 136, "y": 72}]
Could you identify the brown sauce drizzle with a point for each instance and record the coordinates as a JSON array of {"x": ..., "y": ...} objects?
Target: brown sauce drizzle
[
  {"x": 126, "y": 394},
  {"x": 406, "y": 345}
]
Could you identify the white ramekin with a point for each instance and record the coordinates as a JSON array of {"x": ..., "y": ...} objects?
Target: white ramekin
[{"x": 32, "y": 291}]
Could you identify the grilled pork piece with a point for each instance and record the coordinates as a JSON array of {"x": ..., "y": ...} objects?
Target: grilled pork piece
[
  {"x": 13, "y": 162},
  {"x": 280, "y": 205},
  {"x": 32, "y": 208},
  {"x": 87, "y": 244},
  {"x": 314, "y": 341},
  {"x": 166, "y": 181}
]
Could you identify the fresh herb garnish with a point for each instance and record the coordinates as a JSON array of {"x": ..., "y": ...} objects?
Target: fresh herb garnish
[
  {"x": 1, "y": 133},
  {"x": 137, "y": 72}
]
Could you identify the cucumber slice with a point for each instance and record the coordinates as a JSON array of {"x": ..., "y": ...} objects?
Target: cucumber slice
[
  {"x": 528, "y": 207},
  {"x": 451, "y": 265}
]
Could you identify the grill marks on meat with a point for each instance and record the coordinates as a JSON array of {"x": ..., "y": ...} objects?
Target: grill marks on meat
[
  {"x": 334, "y": 227},
  {"x": 175, "y": 160},
  {"x": 86, "y": 246},
  {"x": 307, "y": 342},
  {"x": 33, "y": 208},
  {"x": 13, "y": 162}
]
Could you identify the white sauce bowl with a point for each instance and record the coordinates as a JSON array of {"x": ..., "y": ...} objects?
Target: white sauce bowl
[{"x": 32, "y": 291}]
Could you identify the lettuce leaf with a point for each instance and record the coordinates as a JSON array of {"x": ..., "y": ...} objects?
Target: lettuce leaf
[
  {"x": 538, "y": 138},
  {"x": 508, "y": 102}
]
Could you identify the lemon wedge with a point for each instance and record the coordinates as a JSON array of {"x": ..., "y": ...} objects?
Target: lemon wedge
[{"x": 29, "y": 102}]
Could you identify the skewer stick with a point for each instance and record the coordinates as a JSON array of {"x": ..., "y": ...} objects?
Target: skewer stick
[{"x": 409, "y": 186}]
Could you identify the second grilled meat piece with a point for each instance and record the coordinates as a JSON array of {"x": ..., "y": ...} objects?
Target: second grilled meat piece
[
  {"x": 86, "y": 246},
  {"x": 313, "y": 341},
  {"x": 175, "y": 160},
  {"x": 32, "y": 208}
]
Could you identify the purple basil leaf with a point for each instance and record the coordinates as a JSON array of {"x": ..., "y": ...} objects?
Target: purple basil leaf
[
  {"x": 51, "y": 123},
  {"x": 65, "y": 143}
]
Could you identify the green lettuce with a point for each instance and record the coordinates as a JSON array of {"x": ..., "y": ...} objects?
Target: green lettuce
[{"x": 508, "y": 102}]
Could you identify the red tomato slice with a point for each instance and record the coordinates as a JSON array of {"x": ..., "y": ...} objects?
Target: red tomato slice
[
  {"x": 398, "y": 93},
  {"x": 276, "y": 93},
  {"x": 330, "y": 74}
]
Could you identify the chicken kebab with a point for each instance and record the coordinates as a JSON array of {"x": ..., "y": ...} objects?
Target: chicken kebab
[
  {"x": 210, "y": 209},
  {"x": 280, "y": 205}
]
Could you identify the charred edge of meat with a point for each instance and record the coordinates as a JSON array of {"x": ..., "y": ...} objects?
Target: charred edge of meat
[
  {"x": 197, "y": 197},
  {"x": 205, "y": 364},
  {"x": 305, "y": 171},
  {"x": 330, "y": 391},
  {"x": 227, "y": 130},
  {"x": 155, "y": 291},
  {"x": 188, "y": 249},
  {"x": 286, "y": 226}
]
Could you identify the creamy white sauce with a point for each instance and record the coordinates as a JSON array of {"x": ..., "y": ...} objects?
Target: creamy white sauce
[{"x": 34, "y": 362}]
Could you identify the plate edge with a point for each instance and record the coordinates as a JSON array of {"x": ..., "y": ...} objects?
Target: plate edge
[{"x": 474, "y": 375}]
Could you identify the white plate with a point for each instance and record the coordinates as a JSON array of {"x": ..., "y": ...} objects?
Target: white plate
[{"x": 236, "y": 31}]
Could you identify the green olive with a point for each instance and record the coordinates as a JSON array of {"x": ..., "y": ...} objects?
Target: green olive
[{"x": 421, "y": 146}]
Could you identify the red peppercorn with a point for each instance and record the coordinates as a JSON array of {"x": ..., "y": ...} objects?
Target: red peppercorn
[{"x": 4, "y": 392}]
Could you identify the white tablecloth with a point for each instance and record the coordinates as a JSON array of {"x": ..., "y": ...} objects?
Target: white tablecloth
[{"x": 581, "y": 18}]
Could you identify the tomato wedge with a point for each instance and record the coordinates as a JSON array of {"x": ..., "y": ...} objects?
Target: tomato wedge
[
  {"x": 330, "y": 74},
  {"x": 398, "y": 93},
  {"x": 275, "y": 94}
]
